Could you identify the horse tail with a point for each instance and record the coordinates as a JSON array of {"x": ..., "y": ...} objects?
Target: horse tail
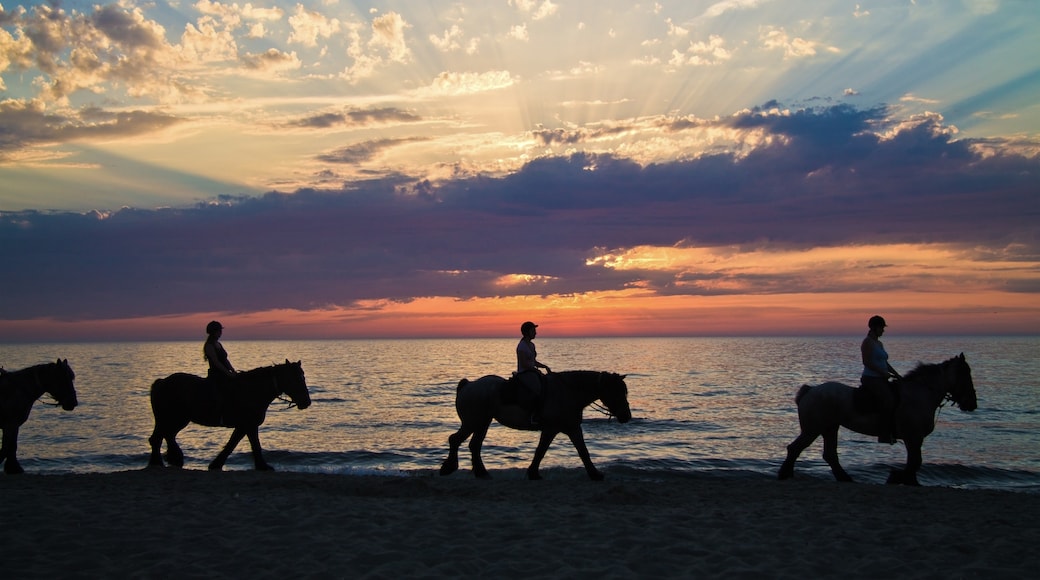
[
  {"x": 801, "y": 393},
  {"x": 462, "y": 383}
]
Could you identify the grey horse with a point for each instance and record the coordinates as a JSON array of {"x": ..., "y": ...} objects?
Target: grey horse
[{"x": 823, "y": 408}]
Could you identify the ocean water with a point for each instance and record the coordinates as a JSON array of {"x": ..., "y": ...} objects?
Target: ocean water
[{"x": 723, "y": 406}]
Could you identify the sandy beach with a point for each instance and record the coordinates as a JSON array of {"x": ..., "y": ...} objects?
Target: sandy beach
[{"x": 170, "y": 523}]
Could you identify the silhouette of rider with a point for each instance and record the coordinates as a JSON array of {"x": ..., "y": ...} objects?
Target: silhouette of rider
[
  {"x": 219, "y": 366},
  {"x": 221, "y": 373},
  {"x": 530, "y": 379},
  {"x": 875, "y": 378}
]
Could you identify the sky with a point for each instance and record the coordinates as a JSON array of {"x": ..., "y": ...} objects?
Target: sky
[{"x": 334, "y": 169}]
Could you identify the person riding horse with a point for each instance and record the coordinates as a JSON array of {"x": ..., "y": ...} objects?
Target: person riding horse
[
  {"x": 527, "y": 375},
  {"x": 876, "y": 374},
  {"x": 221, "y": 374}
]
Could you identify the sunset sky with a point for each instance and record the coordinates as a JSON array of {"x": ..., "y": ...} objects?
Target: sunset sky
[{"x": 334, "y": 169}]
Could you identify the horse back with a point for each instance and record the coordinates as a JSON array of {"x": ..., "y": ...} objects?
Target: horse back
[
  {"x": 176, "y": 394},
  {"x": 479, "y": 399}
]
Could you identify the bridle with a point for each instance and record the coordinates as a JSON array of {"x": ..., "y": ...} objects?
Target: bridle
[{"x": 595, "y": 404}]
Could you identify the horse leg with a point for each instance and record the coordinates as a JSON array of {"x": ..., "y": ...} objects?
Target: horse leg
[
  {"x": 10, "y": 445},
  {"x": 3, "y": 446},
  {"x": 236, "y": 437},
  {"x": 258, "y": 453},
  {"x": 578, "y": 439},
  {"x": 539, "y": 453},
  {"x": 451, "y": 464},
  {"x": 794, "y": 449},
  {"x": 830, "y": 454},
  {"x": 908, "y": 475},
  {"x": 155, "y": 441},
  {"x": 479, "y": 471}
]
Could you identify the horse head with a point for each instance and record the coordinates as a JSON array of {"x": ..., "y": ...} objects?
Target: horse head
[
  {"x": 58, "y": 382},
  {"x": 293, "y": 383},
  {"x": 613, "y": 392},
  {"x": 962, "y": 391}
]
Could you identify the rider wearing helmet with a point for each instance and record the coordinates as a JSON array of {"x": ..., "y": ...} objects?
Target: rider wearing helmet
[
  {"x": 876, "y": 374},
  {"x": 531, "y": 379}
]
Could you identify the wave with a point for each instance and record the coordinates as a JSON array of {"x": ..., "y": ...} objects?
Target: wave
[{"x": 426, "y": 461}]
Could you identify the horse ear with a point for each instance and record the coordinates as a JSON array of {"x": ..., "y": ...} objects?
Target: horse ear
[
  {"x": 286, "y": 361},
  {"x": 623, "y": 377}
]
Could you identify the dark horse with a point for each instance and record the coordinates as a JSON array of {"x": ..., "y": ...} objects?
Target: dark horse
[
  {"x": 19, "y": 390},
  {"x": 566, "y": 395},
  {"x": 182, "y": 398},
  {"x": 825, "y": 407}
]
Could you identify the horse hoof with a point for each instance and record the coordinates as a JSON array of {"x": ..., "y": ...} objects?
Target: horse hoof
[{"x": 264, "y": 467}]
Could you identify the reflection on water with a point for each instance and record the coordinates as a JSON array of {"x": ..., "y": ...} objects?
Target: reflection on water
[{"x": 724, "y": 404}]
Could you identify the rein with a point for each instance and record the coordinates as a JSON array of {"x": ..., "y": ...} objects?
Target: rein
[
  {"x": 595, "y": 404},
  {"x": 38, "y": 383},
  {"x": 289, "y": 403}
]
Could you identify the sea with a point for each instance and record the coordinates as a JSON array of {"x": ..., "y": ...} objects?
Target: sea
[{"x": 701, "y": 406}]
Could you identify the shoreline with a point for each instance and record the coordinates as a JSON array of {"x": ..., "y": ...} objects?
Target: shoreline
[{"x": 164, "y": 523}]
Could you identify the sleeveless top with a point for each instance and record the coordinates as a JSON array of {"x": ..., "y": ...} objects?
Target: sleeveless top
[
  {"x": 525, "y": 347},
  {"x": 222, "y": 357},
  {"x": 879, "y": 357}
]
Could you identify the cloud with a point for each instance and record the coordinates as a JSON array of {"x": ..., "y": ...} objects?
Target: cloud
[
  {"x": 27, "y": 124},
  {"x": 537, "y": 10},
  {"x": 309, "y": 26},
  {"x": 719, "y": 8},
  {"x": 466, "y": 83},
  {"x": 903, "y": 190},
  {"x": 776, "y": 38},
  {"x": 356, "y": 118},
  {"x": 710, "y": 53},
  {"x": 271, "y": 60},
  {"x": 363, "y": 152}
]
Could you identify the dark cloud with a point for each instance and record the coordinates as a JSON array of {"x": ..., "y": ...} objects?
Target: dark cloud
[
  {"x": 24, "y": 124},
  {"x": 365, "y": 151},
  {"x": 832, "y": 180},
  {"x": 357, "y": 117}
]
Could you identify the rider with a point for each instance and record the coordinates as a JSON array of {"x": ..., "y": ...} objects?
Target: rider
[
  {"x": 219, "y": 366},
  {"x": 876, "y": 374},
  {"x": 221, "y": 373},
  {"x": 531, "y": 380}
]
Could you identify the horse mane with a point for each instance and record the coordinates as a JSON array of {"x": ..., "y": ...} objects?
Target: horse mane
[
  {"x": 259, "y": 370},
  {"x": 925, "y": 370}
]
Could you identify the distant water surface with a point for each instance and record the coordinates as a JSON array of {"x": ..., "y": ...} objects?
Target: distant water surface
[{"x": 720, "y": 405}]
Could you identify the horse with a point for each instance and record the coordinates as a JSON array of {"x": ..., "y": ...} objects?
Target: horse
[
  {"x": 19, "y": 390},
  {"x": 566, "y": 396},
  {"x": 825, "y": 407},
  {"x": 183, "y": 398}
]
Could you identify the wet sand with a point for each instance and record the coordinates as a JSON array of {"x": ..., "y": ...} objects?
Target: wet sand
[{"x": 170, "y": 523}]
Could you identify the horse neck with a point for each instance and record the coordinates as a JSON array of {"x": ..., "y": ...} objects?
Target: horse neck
[
  {"x": 937, "y": 387},
  {"x": 585, "y": 385},
  {"x": 29, "y": 381},
  {"x": 267, "y": 380}
]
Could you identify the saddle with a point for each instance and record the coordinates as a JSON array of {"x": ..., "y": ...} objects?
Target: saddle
[
  {"x": 510, "y": 393},
  {"x": 863, "y": 401}
]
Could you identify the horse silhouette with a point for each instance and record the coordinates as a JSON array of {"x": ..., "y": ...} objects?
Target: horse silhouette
[
  {"x": 566, "y": 396},
  {"x": 823, "y": 408},
  {"x": 19, "y": 390},
  {"x": 240, "y": 404}
]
